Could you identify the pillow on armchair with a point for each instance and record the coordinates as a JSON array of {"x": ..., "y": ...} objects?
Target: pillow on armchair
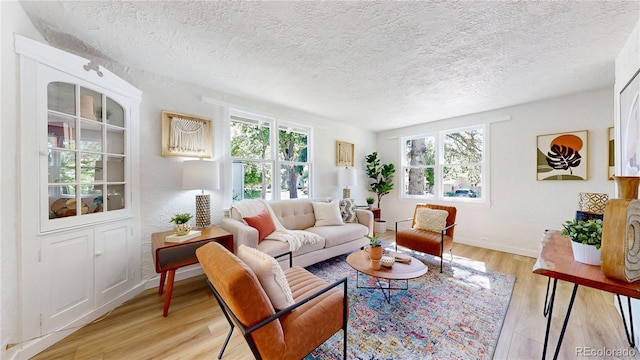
[
  {"x": 430, "y": 219},
  {"x": 270, "y": 274}
]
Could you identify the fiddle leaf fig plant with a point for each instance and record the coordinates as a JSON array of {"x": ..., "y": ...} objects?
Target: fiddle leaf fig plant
[
  {"x": 380, "y": 174},
  {"x": 587, "y": 232}
]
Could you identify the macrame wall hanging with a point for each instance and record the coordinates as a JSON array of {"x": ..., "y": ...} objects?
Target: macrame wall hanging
[{"x": 185, "y": 135}]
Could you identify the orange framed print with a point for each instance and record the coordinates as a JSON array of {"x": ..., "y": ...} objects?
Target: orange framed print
[{"x": 562, "y": 156}]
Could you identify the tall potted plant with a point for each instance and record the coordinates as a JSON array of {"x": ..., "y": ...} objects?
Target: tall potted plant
[{"x": 380, "y": 174}]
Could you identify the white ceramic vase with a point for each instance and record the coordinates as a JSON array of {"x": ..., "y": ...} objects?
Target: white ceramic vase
[{"x": 587, "y": 254}]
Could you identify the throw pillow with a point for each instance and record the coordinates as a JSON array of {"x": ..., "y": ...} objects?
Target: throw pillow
[
  {"x": 348, "y": 210},
  {"x": 263, "y": 223},
  {"x": 270, "y": 275},
  {"x": 327, "y": 214},
  {"x": 431, "y": 219}
]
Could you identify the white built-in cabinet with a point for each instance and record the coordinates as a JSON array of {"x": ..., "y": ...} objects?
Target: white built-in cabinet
[{"x": 80, "y": 217}]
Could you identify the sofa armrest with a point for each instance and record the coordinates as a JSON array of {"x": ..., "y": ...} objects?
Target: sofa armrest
[
  {"x": 365, "y": 217},
  {"x": 242, "y": 233}
]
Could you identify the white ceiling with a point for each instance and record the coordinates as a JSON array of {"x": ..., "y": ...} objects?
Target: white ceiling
[{"x": 378, "y": 65}]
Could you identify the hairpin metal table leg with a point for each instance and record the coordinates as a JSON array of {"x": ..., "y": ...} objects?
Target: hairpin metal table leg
[{"x": 564, "y": 324}]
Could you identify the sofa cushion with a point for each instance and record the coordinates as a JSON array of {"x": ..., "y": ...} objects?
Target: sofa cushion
[
  {"x": 276, "y": 247},
  {"x": 431, "y": 220},
  {"x": 348, "y": 210},
  {"x": 294, "y": 214},
  {"x": 327, "y": 214},
  {"x": 270, "y": 275},
  {"x": 336, "y": 235},
  {"x": 261, "y": 222}
]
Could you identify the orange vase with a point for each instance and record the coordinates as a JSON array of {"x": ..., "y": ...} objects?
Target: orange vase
[{"x": 375, "y": 252}]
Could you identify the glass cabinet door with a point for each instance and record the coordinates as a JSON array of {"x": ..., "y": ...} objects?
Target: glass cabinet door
[{"x": 86, "y": 152}]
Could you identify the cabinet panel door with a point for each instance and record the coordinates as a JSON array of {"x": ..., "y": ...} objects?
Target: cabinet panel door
[
  {"x": 112, "y": 261},
  {"x": 67, "y": 279}
]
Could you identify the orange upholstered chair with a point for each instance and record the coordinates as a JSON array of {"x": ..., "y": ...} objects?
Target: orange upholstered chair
[
  {"x": 321, "y": 309},
  {"x": 432, "y": 241}
]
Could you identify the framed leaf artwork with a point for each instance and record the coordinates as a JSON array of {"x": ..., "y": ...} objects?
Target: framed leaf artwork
[{"x": 562, "y": 156}]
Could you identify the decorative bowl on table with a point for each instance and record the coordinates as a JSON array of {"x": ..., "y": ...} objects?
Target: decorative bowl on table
[{"x": 387, "y": 261}]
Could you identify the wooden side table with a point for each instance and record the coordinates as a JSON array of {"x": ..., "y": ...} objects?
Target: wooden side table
[{"x": 168, "y": 257}]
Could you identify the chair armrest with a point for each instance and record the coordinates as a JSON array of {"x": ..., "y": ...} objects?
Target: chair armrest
[
  {"x": 449, "y": 227},
  {"x": 403, "y": 220},
  {"x": 287, "y": 310},
  {"x": 242, "y": 233}
]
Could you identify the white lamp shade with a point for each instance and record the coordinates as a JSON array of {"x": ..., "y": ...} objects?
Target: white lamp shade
[
  {"x": 200, "y": 175},
  {"x": 347, "y": 177}
]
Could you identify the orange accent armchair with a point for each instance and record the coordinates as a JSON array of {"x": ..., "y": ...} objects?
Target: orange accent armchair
[
  {"x": 430, "y": 242},
  {"x": 320, "y": 309}
]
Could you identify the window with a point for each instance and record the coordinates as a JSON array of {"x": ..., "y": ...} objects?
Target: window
[
  {"x": 449, "y": 164},
  {"x": 264, "y": 159}
]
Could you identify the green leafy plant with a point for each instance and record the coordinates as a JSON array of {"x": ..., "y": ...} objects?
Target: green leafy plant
[
  {"x": 181, "y": 218},
  {"x": 381, "y": 174},
  {"x": 374, "y": 240},
  {"x": 588, "y": 232},
  {"x": 370, "y": 200}
]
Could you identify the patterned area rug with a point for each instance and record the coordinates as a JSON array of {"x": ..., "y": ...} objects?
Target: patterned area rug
[{"x": 454, "y": 315}]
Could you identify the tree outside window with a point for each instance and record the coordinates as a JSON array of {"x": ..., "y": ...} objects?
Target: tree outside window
[
  {"x": 254, "y": 159},
  {"x": 448, "y": 164}
]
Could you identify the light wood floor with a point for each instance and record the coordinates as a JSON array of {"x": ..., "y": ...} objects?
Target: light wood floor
[{"x": 195, "y": 327}]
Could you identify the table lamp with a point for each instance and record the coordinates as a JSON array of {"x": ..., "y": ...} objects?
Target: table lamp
[
  {"x": 347, "y": 177},
  {"x": 200, "y": 175}
]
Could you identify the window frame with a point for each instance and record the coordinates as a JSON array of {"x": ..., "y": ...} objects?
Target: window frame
[
  {"x": 276, "y": 124},
  {"x": 440, "y": 164}
]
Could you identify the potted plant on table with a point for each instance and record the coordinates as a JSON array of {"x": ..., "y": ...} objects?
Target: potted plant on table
[
  {"x": 370, "y": 200},
  {"x": 181, "y": 223},
  {"x": 375, "y": 250},
  {"x": 586, "y": 239}
]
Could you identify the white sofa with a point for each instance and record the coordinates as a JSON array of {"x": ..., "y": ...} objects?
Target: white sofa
[{"x": 298, "y": 214}]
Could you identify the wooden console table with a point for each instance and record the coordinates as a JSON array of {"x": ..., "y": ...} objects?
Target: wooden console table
[
  {"x": 556, "y": 261},
  {"x": 168, "y": 257}
]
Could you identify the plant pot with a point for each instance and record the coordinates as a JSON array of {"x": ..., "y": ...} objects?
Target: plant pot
[
  {"x": 375, "y": 264},
  {"x": 181, "y": 229},
  {"x": 375, "y": 252},
  {"x": 586, "y": 254},
  {"x": 370, "y": 206}
]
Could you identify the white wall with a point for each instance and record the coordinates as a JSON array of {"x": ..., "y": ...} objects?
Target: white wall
[
  {"x": 520, "y": 207},
  {"x": 627, "y": 63},
  {"x": 12, "y": 19}
]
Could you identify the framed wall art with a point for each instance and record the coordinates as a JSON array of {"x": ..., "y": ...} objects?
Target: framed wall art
[
  {"x": 612, "y": 157},
  {"x": 630, "y": 128},
  {"x": 186, "y": 135},
  {"x": 344, "y": 154},
  {"x": 562, "y": 156}
]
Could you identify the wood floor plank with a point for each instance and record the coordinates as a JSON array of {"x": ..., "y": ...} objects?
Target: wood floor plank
[{"x": 196, "y": 327}]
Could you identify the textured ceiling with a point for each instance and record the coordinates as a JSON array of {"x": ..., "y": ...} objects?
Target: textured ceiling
[{"x": 378, "y": 65}]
